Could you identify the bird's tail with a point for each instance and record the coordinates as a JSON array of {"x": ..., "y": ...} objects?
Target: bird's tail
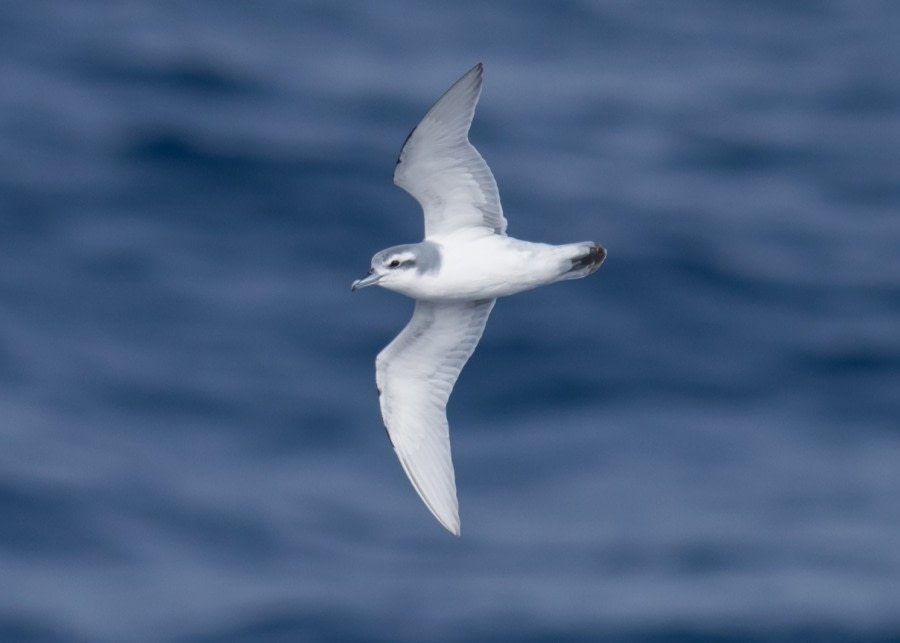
[{"x": 585, "y": 258}]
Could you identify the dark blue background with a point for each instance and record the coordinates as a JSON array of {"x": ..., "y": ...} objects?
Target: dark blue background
[{"x": 699, "y": 442}]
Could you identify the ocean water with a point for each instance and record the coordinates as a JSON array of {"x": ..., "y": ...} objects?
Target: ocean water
[{"x": 700, "y": 442}]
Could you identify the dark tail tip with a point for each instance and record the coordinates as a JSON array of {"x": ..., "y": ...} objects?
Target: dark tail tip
[{"x": 591, "y": 260}]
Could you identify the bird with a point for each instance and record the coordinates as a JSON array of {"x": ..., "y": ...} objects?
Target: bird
[{"x": 455, "y": 274}]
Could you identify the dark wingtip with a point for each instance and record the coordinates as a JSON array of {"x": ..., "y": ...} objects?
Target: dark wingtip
[{"x": 479, "y": 67}]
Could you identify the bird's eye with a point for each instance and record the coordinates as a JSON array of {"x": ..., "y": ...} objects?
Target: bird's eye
[{"x": 394, "y": 263}]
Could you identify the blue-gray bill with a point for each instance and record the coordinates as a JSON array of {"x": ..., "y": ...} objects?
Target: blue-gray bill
[{"x": 369, "y": 280}]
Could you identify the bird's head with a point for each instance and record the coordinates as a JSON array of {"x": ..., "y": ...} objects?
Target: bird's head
[{"x": 399, "y": 266}]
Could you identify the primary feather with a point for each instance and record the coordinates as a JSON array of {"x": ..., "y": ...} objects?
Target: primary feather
[
  {"x": 415, "y": 375},
  {"x": 440, "y": 168}
]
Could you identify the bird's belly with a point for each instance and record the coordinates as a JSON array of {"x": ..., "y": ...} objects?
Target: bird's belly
[{"x": 494, "y": 267}]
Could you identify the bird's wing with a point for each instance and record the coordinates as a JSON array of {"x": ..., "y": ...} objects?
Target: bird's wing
[
  {"x": 440, "y": 168},
  {"x": 415, "y": 375}
]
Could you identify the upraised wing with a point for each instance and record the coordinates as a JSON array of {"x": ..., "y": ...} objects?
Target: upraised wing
[
  {"x": 415, "y": 375},
  {"x": 440, "y": 168}
]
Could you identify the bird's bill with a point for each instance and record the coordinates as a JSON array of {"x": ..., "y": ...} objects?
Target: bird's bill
[{"x": 369, "y": 280}]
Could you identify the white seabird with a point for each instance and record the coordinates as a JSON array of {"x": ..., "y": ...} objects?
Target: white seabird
[{"x": 464, "y": 263}]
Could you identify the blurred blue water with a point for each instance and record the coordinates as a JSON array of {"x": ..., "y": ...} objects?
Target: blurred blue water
[{"x": 700, "y": 442}]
